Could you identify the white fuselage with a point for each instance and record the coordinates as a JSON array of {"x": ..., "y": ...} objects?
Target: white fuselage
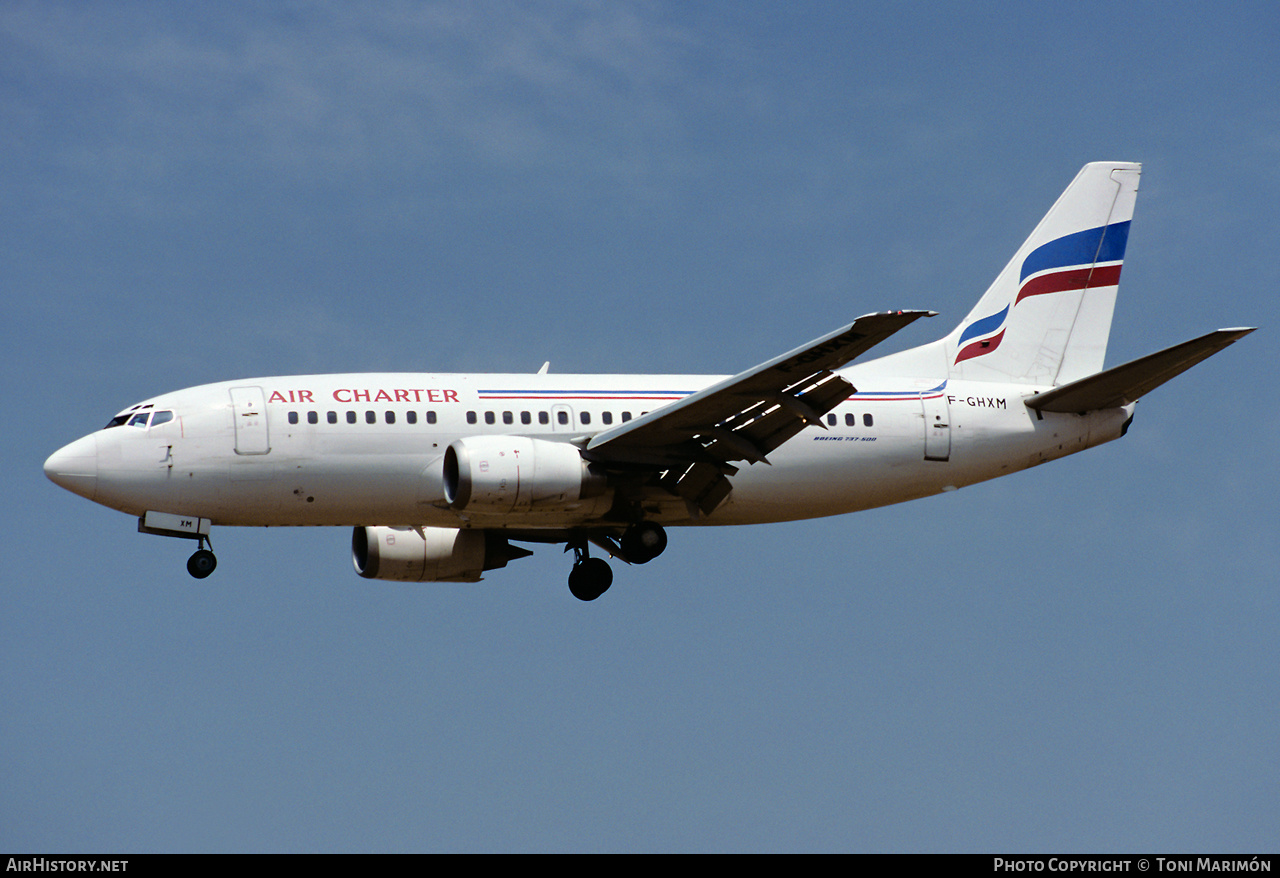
[
  {"x": 366, "y": 449},
  {"x": 438, "y": 474}
]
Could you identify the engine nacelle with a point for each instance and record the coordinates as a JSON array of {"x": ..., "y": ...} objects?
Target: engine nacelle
[
  {"x": 500, "y": 474},
  {"x": 429, "y": 554}
]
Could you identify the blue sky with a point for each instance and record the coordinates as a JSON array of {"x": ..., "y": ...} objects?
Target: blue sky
[{"x": 1078, "y": 657}]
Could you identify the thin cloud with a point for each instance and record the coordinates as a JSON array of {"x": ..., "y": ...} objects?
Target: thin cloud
[{"x": 339, "y": 89}]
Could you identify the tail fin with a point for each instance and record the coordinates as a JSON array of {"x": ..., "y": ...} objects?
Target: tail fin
[{"x": 1046, "y": 318}]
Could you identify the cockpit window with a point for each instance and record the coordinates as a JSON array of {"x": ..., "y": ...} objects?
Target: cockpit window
[{"x": 140, "y": 419}]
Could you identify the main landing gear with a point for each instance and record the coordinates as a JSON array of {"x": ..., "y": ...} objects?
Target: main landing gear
[
  {"x": 202, "y": 563},
  {"x": 591, "y": 577},
  {"x": 644, "y": 541}
]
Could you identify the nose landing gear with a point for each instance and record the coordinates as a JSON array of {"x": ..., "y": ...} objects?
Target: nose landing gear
[
  {"x": 202, "y": 563},
  {"x": 187, "y": 527}
]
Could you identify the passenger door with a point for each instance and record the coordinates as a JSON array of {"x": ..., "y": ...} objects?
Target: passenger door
[{"x": 249, "y": 408}]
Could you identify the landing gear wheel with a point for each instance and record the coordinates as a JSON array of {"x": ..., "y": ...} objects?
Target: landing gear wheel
[
  {"x": 201, "y": 564},
  {"x": 644, "y": 541},
  {"x": 589, "y": 579}
]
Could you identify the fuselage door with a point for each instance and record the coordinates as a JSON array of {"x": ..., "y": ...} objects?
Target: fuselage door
[
  {"x": 937, "y": 426},
  {"x": 249, "y": 408}
]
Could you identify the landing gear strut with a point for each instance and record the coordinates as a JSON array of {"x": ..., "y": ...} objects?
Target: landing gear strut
[
  {"x": 202, "y": 563},
  {"x": 590, "y": 577}
]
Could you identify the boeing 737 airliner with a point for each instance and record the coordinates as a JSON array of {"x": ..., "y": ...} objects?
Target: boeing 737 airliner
[{"x": 440, "y": 474}]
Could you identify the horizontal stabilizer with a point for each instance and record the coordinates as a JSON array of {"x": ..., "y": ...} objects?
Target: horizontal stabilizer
[{"x": 1122, "y": 385}]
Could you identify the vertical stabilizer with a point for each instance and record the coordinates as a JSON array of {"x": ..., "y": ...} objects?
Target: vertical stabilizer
[{"x": 1046, "y": 318}]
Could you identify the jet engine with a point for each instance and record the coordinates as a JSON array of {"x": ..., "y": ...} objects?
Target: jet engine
[
  {"x": 429, "y": 554},
  {"x": 501, "y": 474}
]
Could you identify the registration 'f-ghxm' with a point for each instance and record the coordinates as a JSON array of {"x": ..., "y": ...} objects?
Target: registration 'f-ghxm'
[{"x": 442, "y": 475}]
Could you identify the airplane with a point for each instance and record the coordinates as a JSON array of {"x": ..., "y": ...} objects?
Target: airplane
[{"x": 439, "y": 474}]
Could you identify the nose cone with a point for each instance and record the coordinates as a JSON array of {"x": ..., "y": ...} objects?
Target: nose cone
[{"x": 75, "y": 467}]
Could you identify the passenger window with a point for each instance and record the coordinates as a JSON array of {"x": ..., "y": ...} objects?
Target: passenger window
[
  {"x": 411, "y": 417},
  {"x": 626, "y": 416},
  {"x": 526, "y": 418},
  {"x": 471, "y": 417},
  {"x": 293, "y": 417},
  {"x": 431, "y": 417},
  {"x": 866, "y": 420},
  {"x": 489, "y": 418},
  {"x": 562, "y": 417},
  {"x": 850, "y": 421},
  {"x": 508, "y": 418},
  {"x": 351, "y": 417},
  {"x": 391, "y": 417},
  {"x": 161, "y": 418},
  {"x": 831, "y": 420},
  {"x": 371, "y": 417},
  {"x": 607, "y": 417},
  {"x": 586, "y": 417},
  {"x": 544, "y": 418},
  {"x": 333, "y": 417}
]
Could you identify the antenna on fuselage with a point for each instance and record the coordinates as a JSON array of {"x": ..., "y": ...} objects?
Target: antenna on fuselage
[{"x": 545, "y": 367}]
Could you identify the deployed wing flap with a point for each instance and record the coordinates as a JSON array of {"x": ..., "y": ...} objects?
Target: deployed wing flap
[
  {"x": 755, "y": 431},
  {"x": 789, "y": 375},
  {"x": 701, "y": 485},
  {"x": 788, "y": 383},
  {"x": 744, "y": 417},
  {"x": 1122, "y": 385}
]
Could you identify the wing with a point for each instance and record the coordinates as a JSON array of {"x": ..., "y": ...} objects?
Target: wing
[{"x": 744, "y": 418}]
